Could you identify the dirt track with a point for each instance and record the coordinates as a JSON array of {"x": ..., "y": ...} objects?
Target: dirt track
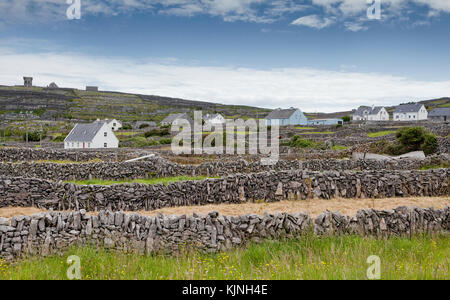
[{"x": 313, "y": 207}]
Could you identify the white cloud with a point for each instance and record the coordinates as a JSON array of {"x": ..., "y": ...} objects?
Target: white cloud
[
  {"x": 308, "y": 89},
  {"x": 313, "y": 21}
]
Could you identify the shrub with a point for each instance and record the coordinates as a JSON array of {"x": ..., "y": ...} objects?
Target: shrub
[
  {"x": 34, "y": 136},
  {"x": 142, "y": 126},
  {"x": 59, "y": 138},
  {"x": 165, "y": 141},
  {"x": 346, "y": 119},
  {"x": 126, "y": 126},
  {"x": 298, "y": 142},
  {"x": 416, "y": 139},
  {"x": 157, "y": 132}
]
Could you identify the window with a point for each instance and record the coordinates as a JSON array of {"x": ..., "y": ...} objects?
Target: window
[
  {"x": 105, "y": 145},
  {"x": 114, "y": 124},
  {"x": 89, "y": 145},
  {"x": 106, "y": 134}
]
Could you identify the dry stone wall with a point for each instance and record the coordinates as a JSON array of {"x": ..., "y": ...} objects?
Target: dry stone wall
[
  {"x": 53, "y": 232},
  {"x": 267, "y": 186},
  {"x": 24, "y": 154},
  {"x": 159, "y": 167}
]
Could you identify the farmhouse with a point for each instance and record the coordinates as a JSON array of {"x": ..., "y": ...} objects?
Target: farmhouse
[
  {"x": 324, "y": 122},
  {"x": 91, "y": 136},
  {"x": 440, "y": 114},
  {"x": 374, "y": 113},
  {"x": 285, "y": 117},
  {"x": 173, "y": 117},
  {"x": 216, "y": 119},
  {"x": 410, "y": 112}
]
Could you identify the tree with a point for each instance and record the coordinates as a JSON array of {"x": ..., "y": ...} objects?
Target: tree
[{"x": 346, "y": 119}]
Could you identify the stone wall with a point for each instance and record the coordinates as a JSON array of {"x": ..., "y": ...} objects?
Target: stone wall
[
  {"x": 267, "y": 186},
  {"x": 158, "y": 167},
  {"x": 52, "y": 232},
  {"x": 24, "y": 154}
]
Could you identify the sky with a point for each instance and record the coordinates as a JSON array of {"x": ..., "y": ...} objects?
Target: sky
[{"x": 317, "y": 55}]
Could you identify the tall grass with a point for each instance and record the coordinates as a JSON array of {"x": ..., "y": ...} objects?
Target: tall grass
[{"x": 310, "y": 257}]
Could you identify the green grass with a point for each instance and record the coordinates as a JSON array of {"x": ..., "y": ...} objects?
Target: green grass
[
  {"x": 310, "y": 257},
  {"x": 304, "y": 128},
  {"x": 339, "y": 147},
  {"x": 429, "y": 167},
  {"x": 445, "y": 105},
  {"x": 317, "y": 132},
  {"x": 164, "y": 180},
  {"x": 380, "y": 133}
]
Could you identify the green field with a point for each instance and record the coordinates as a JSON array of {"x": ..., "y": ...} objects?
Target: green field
[
  {"x": 380, "y": 133},
  {"x": 164, "y": 180},
  {"x": 311, "y": 257}
]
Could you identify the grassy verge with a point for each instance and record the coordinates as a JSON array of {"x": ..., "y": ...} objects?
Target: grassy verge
[
  {"x": 430, "y": 167},
  {"x": 380, "y": 133},
  {"x": 422, "y": 257},
  {"x": 164, "y": 180}
]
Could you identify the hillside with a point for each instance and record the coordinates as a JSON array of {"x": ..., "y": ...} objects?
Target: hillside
[{"x": 73, "y": 104}]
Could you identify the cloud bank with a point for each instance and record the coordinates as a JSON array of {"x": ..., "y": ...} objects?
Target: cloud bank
[{"x": 309, "y": 89}]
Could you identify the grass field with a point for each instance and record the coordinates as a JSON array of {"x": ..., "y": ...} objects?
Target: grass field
[
  {"x": 380, "y": 133},
  {"x": 164, "y": 180},
  {"x": 310, "y": 257}
]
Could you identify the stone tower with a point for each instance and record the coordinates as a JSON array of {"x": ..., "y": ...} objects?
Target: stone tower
[{"x": 28, "y": 81}]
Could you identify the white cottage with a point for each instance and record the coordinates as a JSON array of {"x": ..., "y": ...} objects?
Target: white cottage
[
  {"x": 285, "y": 117},
  {"x": 91, "y": 136},
  {"x": 374, "y": 113},
  {"x": 410, "y": 112},
  {"x": 216, "y": 119}
]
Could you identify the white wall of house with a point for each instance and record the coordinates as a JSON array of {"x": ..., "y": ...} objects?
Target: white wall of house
[
  {"x": 115, "y": 125},
  {"x": 382, "y": 115},
  {"x": 218, "y": 119},
  {"x": 104, "y": 138},
  {"x": 422, "y": 114}
]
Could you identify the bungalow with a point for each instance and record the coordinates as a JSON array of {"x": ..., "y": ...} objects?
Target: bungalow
[
  {"x": 324, "y": 122},
  {"x": 215, "y": 119},
  {"x": 374, "y": 113},
  {"x": 91, "y": 136},
  {"x": 440, "y": 114},
  {"x": 410, "y": 112},
  {"x": 285, "y": 117},
  {"x": 168, "y": 121}
]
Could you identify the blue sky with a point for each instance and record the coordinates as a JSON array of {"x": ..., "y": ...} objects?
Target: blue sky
[{"x": 318, "y": 55}]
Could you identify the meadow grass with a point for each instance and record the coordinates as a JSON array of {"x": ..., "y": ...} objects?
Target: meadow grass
[
  {"x": 164, "y": 180},
  {"x": 317, "y": 132},
  {"x": 380, "y": 133},
  {"x": 310, "y": 257}
]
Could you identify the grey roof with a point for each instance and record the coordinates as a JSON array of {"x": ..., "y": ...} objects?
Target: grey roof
[
  {"x": 171, "y": 118},
  {"x": 281, "y": 114},
  {"x": 367, "y": 110},
  {"x": 440, "y": 112},
  {"x": 84, "y": 132},
  {"x": 408, "y": 108}
]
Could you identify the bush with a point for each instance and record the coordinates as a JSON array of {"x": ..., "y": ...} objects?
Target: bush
[
  {"x": 416, "y": 139},
  {"x": 346, "y": 119},
  {"x": 34, "y": 136},
  {"x": 408, "y": 140},
  {"x": 298, "y": 142},
  {"x": 165, "y": 141},
  {"x": 157, "y": 132},
  {"x": 60, "y": 138},
  {"x": 127, "y": 126},
  {"x": 142, "y": 126}
]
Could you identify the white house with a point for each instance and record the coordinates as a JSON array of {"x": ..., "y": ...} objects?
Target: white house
[
  {"x": 410, "y": 112},
  {"x": 285, "y": 117},
  {"x": 374, "y": 113},
  {"x": 170, "y": 119},
  {"x": 114, "y": 124},
  {"x": 216, "y": 119},
  {"x": 91, "y": 136}
]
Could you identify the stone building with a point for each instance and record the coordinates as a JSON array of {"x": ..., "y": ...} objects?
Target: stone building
[{"x": 27, "y": 81}]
